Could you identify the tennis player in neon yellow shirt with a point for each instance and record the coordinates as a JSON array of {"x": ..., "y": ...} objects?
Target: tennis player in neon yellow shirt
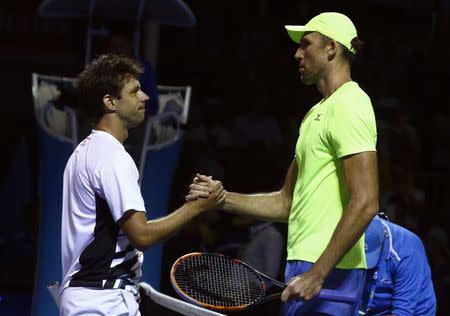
[{"x": 330, "y": 194}]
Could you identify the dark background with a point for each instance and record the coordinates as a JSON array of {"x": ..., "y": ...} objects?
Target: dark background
[{"x": 240, "y": 64}]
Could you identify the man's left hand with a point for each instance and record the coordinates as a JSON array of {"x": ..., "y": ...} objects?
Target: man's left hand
[{"x": 304, "y": 287}]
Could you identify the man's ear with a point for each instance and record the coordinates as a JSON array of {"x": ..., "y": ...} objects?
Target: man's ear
[
  {"x": 332, "y": 49},
  {"x": 108, "y": 102}
]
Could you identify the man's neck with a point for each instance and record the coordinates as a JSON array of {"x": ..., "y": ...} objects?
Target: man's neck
[
  {"x": 110, "y": 124},
  {"x": 334, "y": 78}
]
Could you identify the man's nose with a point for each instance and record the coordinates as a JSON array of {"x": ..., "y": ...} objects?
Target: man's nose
[{"x": 298, "y": 54}]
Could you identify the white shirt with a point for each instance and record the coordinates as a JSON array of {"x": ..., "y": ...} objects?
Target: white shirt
[{"x": 100, "y": 185}]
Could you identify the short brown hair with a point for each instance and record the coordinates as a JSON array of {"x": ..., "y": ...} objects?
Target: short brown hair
[{"x": 105, "y": 75}]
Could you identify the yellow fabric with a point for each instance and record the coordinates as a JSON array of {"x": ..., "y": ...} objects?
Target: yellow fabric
[
  {"x": 332, "y": 24},
  {"x": 341, "y": 125}
]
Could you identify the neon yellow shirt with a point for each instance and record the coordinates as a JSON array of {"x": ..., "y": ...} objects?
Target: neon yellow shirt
[{"x": 341, "y": 125}]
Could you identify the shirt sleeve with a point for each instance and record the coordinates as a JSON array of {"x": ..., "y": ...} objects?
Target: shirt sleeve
[
  {"x": 118, "y": 181},
  {"x": 352, "y": 127},
  {"x": 408, "y": 281}
]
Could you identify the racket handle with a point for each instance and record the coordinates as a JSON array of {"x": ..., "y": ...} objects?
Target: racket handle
[{"x": 336, "y": 296}]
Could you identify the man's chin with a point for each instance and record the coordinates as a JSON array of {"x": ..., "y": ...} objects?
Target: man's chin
[
  {"x": 136, "y": 123},
  {"x": 307, "y": 81}
]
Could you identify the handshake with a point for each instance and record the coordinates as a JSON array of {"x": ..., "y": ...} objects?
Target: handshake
[{"x": 206, "y": 192}]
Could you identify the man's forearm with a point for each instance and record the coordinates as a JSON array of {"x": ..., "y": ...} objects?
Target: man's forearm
[
  {"x": 144, "y": 234},
  {"x": 272, "y": 206},
  {"x": 163, "y": 227}
]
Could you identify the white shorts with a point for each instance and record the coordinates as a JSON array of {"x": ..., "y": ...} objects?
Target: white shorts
[{"x": 90, "y": 301}]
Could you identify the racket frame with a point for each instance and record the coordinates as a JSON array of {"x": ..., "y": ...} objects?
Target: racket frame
[{"x": 188, "y": 298}]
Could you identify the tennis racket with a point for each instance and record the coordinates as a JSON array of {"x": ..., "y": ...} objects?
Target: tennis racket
[{"x": 219, "y": 282}]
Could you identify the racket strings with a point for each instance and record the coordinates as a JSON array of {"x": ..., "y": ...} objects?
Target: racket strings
[{"x": 218, "y": 281}]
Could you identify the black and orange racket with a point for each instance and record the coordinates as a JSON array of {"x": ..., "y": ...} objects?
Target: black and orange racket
[{"x": 219, "y": 282}]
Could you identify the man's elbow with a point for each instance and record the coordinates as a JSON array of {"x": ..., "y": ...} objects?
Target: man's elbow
[
  {"x": 365, "y": 204},
  {"x": 285, "y": 206},
  {"x": 141, "y": 242},
  {"x": 140, "y": 246},
  {"x": 371, "y": 206}
]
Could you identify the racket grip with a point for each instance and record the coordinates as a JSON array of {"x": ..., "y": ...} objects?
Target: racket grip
[{"x": 336, "y": 296}]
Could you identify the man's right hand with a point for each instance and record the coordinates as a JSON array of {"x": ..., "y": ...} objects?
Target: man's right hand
[
  {"x": 206, "y": 192},
  {"x": 201, "y": 187}
]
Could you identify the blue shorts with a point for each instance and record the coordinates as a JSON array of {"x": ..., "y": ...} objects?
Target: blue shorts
[{"x": 342, "y": 280}]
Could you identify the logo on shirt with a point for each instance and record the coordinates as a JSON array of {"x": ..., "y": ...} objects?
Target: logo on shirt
[{"x": 318, "y": 117}]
